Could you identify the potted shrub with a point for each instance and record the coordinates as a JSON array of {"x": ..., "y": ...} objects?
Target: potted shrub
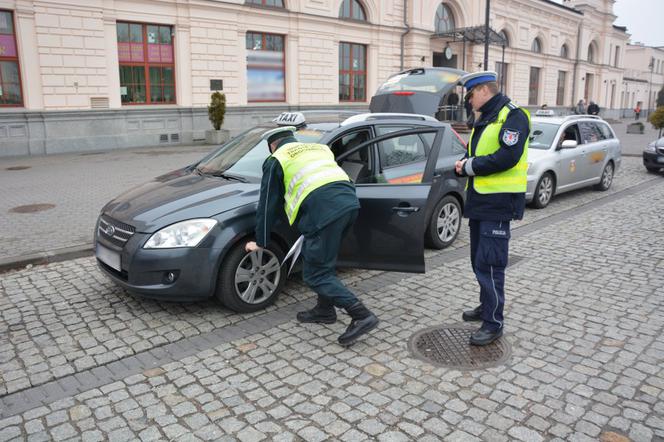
[
  {"x": 216, "y": 113},
  {"x": 657, "y": 119}
]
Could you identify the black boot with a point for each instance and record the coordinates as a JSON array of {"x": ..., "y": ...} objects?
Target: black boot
[
  {"x": 322, "y": 313},
  {"x": 472, "y": 315},
  {"x": 362, "y": 321}
]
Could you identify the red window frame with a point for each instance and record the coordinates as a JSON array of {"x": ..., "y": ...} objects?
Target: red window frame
[
  {"x": 352, "y": 4},
  {"x": 146, "y": 64},
  {"x": 264, "y": 36},
  {"x": 14, "y": 58},
  {"x": 352, "y": 73}
]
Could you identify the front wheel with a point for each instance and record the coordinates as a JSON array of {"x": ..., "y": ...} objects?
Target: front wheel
[
  {"x": 543, "y": 191},
  {"x": 444, "y": 223},
  {"x": 652, "y": 169},
  {"x": 249, "y": 282},
  {"x": 607, "y": 177}
]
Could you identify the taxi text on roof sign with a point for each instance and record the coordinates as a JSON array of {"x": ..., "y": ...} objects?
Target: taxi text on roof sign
[{"x": 290, "y": 119}]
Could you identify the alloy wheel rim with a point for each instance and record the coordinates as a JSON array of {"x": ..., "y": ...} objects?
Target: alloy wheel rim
[
  {"x": 546, "y": 188},
  {"x": 447, "y": 224},
  {"x": 257, "y": 276},
  {"x": 608, "y": 176}
]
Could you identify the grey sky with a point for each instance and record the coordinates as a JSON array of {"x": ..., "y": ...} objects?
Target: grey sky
[{"x": 644, "y": 20}]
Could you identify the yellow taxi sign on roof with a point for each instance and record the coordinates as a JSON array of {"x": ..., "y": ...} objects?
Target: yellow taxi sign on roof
[{"x": 290, "y": 119}]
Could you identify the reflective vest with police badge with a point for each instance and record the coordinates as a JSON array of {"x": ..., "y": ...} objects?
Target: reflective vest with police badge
[
  {"x": 306, "y": 166},
  {"x": 514, "y": 180}
]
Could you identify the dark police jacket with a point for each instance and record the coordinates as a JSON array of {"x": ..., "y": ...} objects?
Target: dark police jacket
[
  {"x": 321, "y": 207},
  {"x": 497, "y": 206}
]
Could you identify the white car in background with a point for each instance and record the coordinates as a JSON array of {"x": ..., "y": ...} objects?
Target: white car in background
[{"x": 568, "y": 153}]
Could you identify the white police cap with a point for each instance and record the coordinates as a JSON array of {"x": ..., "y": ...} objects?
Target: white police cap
[{"x": 473, "y": 79}]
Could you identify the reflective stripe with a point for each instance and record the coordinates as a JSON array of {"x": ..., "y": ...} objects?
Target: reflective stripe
[
  {"x": 298, "y": 176},
  {"x": 306, "y": 187}
]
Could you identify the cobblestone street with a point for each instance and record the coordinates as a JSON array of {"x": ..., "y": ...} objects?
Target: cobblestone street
[{"x": 81, "y": 359}]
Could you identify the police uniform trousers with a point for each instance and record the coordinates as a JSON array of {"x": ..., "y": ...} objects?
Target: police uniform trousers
[
  {"x": 489, "y": 241},
  {"x": 319, "y": 256}
]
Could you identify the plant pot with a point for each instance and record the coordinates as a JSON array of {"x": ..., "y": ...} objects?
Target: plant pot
[
  {"x": 635, "y": 128},
  {"x": 220, "y": 136}
]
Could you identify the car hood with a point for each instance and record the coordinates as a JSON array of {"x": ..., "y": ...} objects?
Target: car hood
[{"x": 178, "y": 196}]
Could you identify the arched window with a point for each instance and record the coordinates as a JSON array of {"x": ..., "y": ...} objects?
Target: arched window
[
  {"x": 444, "y": 19},
  {"x": 273, "y": 3},
  {"x": 505, "y": 38},
  {"x": 591, "y": 53},
  {"x": 352, "y": 10},
  {"x": 536, "y": 46},
  {"x": 564, "y": 51}
]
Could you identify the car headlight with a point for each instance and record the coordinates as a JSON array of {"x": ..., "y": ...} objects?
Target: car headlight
[
  {"x": 183, "y": 234},
  {"x": 651, "y": 148}
]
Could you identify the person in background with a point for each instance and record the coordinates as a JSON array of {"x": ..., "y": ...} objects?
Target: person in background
[{"x": 593, "y": 108}]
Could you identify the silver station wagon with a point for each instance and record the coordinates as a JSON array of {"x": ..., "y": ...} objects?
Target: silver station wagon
[{"x": 568, "y": 153}]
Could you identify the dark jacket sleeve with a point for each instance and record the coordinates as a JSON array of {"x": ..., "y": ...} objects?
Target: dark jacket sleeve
[
  {"x": 506, "y": 156},
  {"x": 271, "y": 200}
]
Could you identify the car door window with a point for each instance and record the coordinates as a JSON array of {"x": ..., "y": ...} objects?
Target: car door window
[
  {"x": 604, "y": 130},
  {"x": 456, "y": 146},
  {"x": 358, "y": 164},
  {"x": 571, "y": 132},
  {"x": 402, "y": 159},
  {"x": 589, "y": 133}
]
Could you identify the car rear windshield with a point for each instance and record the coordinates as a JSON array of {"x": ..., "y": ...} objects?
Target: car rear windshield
[
  {"x": 419, "y": 80},
  {"x": 244, "y": 155},
  {"x": 542, "y": 135}
]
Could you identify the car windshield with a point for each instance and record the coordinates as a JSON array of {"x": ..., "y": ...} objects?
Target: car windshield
[
  {"x": 419, "y": 80},
  {"x": 542, "y": 135},
  {"x": 244, "y": 155}
]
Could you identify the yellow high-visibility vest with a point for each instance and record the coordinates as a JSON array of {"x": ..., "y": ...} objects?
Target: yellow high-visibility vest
[
  {"x": 307, "y": 166},
  {"x": 512, "y": 180}
]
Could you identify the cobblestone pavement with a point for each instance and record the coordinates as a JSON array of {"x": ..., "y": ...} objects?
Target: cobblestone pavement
[{"x": 81, "y": 359}]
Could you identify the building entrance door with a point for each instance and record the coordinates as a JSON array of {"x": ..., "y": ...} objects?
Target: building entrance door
[{"x": 587, "y": 93}]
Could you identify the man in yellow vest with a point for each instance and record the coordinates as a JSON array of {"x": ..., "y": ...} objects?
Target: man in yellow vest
[
  {"x": 304, "y": 180},
  {"x": 496, "y": 167}
]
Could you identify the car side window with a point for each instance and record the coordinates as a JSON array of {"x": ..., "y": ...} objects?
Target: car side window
[
  {"x": 456, "y": 146},
  {"x": 589, "y": 133},
  {"x": 401, "y": 150},
  {"x": 358, "y": 164},
  {"x": 604, "y": 130},
  {"x": 571, "y": 132}
]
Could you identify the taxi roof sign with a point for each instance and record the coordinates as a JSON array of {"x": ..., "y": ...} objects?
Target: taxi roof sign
[{"x": 290, "y": 119}]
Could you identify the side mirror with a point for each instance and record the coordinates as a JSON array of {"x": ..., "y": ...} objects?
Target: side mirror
[{"x": 569, "y": 144}]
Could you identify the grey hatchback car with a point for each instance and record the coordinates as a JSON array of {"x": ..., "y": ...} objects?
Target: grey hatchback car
[
  {"x": 567, "y": 153},
  {"x": 181, "y": 236}
]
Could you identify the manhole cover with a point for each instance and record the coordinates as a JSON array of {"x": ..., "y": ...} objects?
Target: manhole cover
[
  {"x": 449, "y": 347},
  {"x": 18, "y": 168},
  {"x": 31, "y": 208}
]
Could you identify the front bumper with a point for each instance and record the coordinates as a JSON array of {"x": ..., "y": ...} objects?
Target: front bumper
[
  {"x": 653, "y": 160},
  {"x": 145, "y": 272}
]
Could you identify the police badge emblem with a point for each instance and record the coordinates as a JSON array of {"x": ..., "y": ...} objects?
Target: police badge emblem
[{"x": 510, "y": 137}]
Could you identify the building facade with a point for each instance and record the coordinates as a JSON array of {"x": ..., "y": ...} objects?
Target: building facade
[
  {"x": 97, "y": 74},
  {"x": 644, "y": 77}
]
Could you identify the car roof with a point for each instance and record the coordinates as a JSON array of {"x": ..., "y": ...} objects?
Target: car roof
[
  {"x": 559, "y": 120},
  {"x": 327, "y": 121}
]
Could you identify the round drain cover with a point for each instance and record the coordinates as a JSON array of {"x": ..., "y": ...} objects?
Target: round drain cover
[
  {"x": 17, "y": 168},
  {"x": 31, "y": 208},
  {"x": 448, "y": 346}
]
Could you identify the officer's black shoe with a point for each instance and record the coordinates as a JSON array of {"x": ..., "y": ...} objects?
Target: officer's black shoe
[
  {"x": 485, "y": 337},
  {"x": 363, "y": 321},
  {"x": 472, "y": 315},
  {"x": 322, "y": 313}
]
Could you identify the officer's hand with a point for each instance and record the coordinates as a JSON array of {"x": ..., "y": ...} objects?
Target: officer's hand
[
  {"x": 251, "y": 246},
  {"x": 458, "y": 167}
]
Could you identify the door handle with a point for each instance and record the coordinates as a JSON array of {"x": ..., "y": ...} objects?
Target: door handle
[{"x": 409, "y": 209}]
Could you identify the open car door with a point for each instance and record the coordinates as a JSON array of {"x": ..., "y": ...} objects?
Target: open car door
[{"x": 389, "y": 231}]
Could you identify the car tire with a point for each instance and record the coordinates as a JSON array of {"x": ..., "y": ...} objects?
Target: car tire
[
  {"x": 445, "y": 222},
  {"x": 652, "y": 169},
  {"x": 606, "y": 179},
  {"x": 242, "y": 287},
  {"x": 544, "y": 191}
]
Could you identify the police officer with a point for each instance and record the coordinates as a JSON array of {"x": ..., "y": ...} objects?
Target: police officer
[
  {"x": 304, "y": 180},
  {"x": 496, "y": 167}
]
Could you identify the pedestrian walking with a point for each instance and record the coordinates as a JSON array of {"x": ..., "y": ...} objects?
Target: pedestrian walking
[
  {"x": 304, "y": 180},
  {"x": 637, "y": 111},
  {"x": 496, "y": 166},
  {"x": 593, "y": 108},
  {"x": 580, "y": 107}
]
